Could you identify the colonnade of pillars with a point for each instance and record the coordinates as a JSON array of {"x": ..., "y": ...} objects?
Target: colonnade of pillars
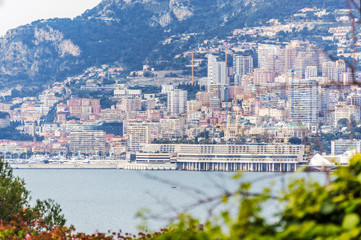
[{"x": 225, "y": 166}]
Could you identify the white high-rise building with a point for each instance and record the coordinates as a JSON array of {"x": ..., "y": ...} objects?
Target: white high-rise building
[
  {"x": 138, "y": 134},
  {"x": 267, "y": 55},
  {"x": 330, "y": 71},
  {"x": 242, "y": 65},
  {"x": 329, "y": 97},
  {"x": 336, "y": 72},
  {"x": 87, "y": 142},
  {"x": 310, "y": 72},
  {"x": 216, "y": 71},
  {"x": 304, "y": 102},
  {"x": 167, "y": 88},
  {"x": 291, "y": 52},
  {"x": 177, "y": 102}
]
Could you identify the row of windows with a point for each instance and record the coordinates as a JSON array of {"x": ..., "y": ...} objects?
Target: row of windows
[
  {"x": 241, "y": 159},
  {"x": 238, "y": 156},
  {"x": 256, "y": 149}
]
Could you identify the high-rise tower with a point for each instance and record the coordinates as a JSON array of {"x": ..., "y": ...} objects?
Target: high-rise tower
[{"x": 242, "y": 65}]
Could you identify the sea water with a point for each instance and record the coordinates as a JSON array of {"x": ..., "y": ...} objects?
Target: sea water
[{"x": 102, "y": 200}]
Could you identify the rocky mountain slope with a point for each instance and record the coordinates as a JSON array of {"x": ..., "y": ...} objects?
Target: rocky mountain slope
[{"x": 126, "y": 32}]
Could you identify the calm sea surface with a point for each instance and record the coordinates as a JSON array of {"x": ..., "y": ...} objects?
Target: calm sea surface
[{"x": 110, "y": 199}]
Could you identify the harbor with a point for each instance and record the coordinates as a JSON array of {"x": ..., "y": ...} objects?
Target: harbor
[
  {"x": 189, "y": 157},
  {"x": 68, "y": 166},
  {"x": 95, "y": 165}
]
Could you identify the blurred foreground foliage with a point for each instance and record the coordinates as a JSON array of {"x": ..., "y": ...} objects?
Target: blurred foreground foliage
[{"x": 310, "y": 211}]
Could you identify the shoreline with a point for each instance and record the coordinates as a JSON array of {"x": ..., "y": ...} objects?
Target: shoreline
[
  {"x": 67, "y": 166},
  {"x": 102, "y": 165}
]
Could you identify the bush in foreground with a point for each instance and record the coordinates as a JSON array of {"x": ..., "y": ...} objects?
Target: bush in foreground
[{"x": 311, "y": 211}]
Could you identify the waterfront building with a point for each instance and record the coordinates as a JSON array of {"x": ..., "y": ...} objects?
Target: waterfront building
[
  {"x": 341, "y": 146},
  {"x": 153, "y": 158},
  {"x": 138, "y": 134},
  {"x": 11, "y": 147},
  {"x": 87, "y": 142},
  {"x": 223, "y": 157}
]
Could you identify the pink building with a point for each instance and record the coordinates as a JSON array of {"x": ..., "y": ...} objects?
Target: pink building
[
  {"x": 84, "y": 107},
  {"x": 262, "y": 76}
]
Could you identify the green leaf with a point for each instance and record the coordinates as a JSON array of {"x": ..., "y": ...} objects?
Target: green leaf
[
  {"x": 237, "y": 176},
  {"x": 327, "y": 208},
  {"x": 351, "y": 221}
]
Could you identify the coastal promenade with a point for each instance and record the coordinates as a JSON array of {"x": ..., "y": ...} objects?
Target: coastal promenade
[
  {"x": 95, "y": 165},
  {"x": 91, "y": 165}
]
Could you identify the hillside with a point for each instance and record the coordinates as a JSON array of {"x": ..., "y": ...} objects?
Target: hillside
[{"x": 128, "y": 33}]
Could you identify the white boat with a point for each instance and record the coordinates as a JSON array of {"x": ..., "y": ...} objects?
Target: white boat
[
  {"x": 36, "y": 159},
  {"x": 86, "y": 161},
  {"x": 58, "y": 159}
]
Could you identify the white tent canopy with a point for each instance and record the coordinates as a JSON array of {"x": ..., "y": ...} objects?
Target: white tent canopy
[{"x": 319, "y": 161}]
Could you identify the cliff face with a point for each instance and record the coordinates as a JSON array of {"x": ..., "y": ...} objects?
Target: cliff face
[
  {"x": 128, "y": 32},
  {"x": 32, "y": 50}
]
